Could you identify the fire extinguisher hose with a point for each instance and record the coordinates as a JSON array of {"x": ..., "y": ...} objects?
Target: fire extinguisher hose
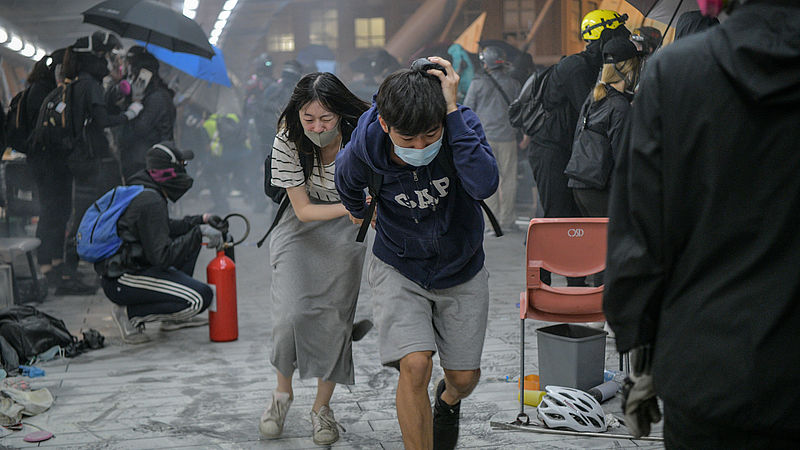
[{"x": 246, "y": 224}]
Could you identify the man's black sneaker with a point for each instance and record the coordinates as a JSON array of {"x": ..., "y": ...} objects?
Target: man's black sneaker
[
  {"x": 71, "y": 286},
  {"x": 445, "y": 421},
  {"x": 360, "y": 329}
]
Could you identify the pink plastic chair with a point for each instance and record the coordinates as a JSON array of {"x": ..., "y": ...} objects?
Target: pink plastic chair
[{"x": 572, "y": 247}]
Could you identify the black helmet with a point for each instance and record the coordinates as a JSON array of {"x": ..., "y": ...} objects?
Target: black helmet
[
  {"x": 99, "y": 41},
  {"x": 292, "y": 69},
  {"x": 56, "y": 58},
  {"x": 139, "y": 59},
  {"x": 264, "y": 65},
  {"x": 619, "y": 49},
  {"x": 646, "y": 39},
  {"x": 492, "y": 57}
]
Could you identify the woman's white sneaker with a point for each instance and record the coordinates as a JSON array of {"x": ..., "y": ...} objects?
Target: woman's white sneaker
[
  {"x": 271, "y": 424},
  {"x": 325, "y": 427}
]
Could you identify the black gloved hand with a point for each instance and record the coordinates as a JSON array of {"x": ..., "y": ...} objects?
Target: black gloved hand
[
  {"x": 218, "y": 223},
  {"x": 639, "y": 401}
]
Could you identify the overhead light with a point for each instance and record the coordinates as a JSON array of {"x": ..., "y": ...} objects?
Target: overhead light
[
  {"x": 220, "y": 24},
  {"x": 29, "y": 50},
  {"x": 216, "y": 32},
  {"x": 190, "y": 8},
  {"x": 229, "y": 5},
  {"x": 212, "y": 41},
  {"x": 223, "y": 15},
  {"x": 40, "y": 53},
  {"x": 3, "y": 35},
  {"x": 15, "y": 43}
]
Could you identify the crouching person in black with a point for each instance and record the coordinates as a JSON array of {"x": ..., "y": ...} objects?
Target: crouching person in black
[{"x": 150, "y": 278}]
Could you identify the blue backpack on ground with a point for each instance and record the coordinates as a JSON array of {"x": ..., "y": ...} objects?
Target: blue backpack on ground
[{"x": 97, "y": 234}]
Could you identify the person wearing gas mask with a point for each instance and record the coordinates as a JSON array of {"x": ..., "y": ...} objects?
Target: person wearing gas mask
[
  {"x": 94, "y": 168},
  {"x": 428, "y": 280},
  {"x": 316, "y": 263},
  {"x": 701, "y": 279},
  {"x": 150, "y": 277},
  {"x": 647, "y": 40},
  {"x": 600, "y": 130},
  {"x": 157, "y": 120},
  {"x": 489, "y": 95}
]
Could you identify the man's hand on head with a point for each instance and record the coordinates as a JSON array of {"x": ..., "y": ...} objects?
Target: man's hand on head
[{"x": 449, "y": 82}]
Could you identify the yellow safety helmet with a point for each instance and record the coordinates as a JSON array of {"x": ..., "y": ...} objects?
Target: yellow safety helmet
[{"x": 596, "y": 21}]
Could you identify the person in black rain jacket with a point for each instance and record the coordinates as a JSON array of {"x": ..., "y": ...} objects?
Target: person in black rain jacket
[
  {"x": 156, "y": 122},
  {"x": 565, "y": 91},
  {"x": 49, "y": 169},
  {"x": 94, "y": 168},
  {"x": 600, "y": 130},
  {"x": 150, "y": 277},
  {"x": 702, "y": 283}
]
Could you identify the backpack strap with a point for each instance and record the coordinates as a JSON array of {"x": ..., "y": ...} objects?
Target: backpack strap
[
  {"x": 446, "y": 162},
  {"x": 307, "y": 163},
  {"x": 22, "y": 103},
  {"x": 281, "y": 209},
  {"x": 374, "y": 186},
  {"x": 500, "y": 89}
]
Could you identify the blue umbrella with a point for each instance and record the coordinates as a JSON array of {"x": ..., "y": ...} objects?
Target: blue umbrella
[{"x": 212, "y": 70}]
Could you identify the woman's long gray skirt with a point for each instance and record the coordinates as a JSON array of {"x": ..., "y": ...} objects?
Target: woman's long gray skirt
[{"x": 316, "y": 274}]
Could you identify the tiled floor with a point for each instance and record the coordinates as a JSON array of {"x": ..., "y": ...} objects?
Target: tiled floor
[{"x": 181, "y": 390}]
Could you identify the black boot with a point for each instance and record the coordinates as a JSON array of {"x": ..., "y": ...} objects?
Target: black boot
[{"x": 445, "y": 421}]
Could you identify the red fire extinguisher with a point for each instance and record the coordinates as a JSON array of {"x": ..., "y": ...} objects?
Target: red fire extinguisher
[{"x": 223, "y": 324}]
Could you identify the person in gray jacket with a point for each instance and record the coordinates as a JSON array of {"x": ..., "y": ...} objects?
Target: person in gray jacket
[{"x": 489, "y": 95}]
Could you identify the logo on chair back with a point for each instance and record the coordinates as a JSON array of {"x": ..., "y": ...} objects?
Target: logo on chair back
[{"x": 575, "y": 232}]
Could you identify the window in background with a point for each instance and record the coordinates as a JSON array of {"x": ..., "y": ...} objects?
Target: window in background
[
  {"x": 518, "y": 17},
  {"x": 281, "y": 42},
  {"x": 280, "y": 37},
  {"x": 370, "y": 32},
  {"x": 324, "y": 28}
]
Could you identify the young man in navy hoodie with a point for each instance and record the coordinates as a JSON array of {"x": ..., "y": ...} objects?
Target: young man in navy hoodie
[{"x": 430, "y": 286}]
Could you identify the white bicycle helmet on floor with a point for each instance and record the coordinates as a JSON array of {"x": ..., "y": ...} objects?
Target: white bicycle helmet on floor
[{"x": 569, "y": 408}]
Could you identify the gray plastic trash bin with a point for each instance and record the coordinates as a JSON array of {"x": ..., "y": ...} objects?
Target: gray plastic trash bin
[{"x": 571, "y": 355}]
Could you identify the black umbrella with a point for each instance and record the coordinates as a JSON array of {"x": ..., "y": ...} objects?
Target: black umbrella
[
  {"x": 153, "y": 22},
  {"x": 664, "y": 11}
]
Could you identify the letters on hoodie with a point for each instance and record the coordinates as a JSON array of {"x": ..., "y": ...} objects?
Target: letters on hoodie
[{"x": 424, "y": 198}]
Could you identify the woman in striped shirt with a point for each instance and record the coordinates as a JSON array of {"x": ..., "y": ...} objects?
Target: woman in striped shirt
[{"x": 316, "y": 263}]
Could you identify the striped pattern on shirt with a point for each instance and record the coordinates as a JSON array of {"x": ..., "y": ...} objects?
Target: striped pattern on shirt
[{"x": 288, "y": 172}]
